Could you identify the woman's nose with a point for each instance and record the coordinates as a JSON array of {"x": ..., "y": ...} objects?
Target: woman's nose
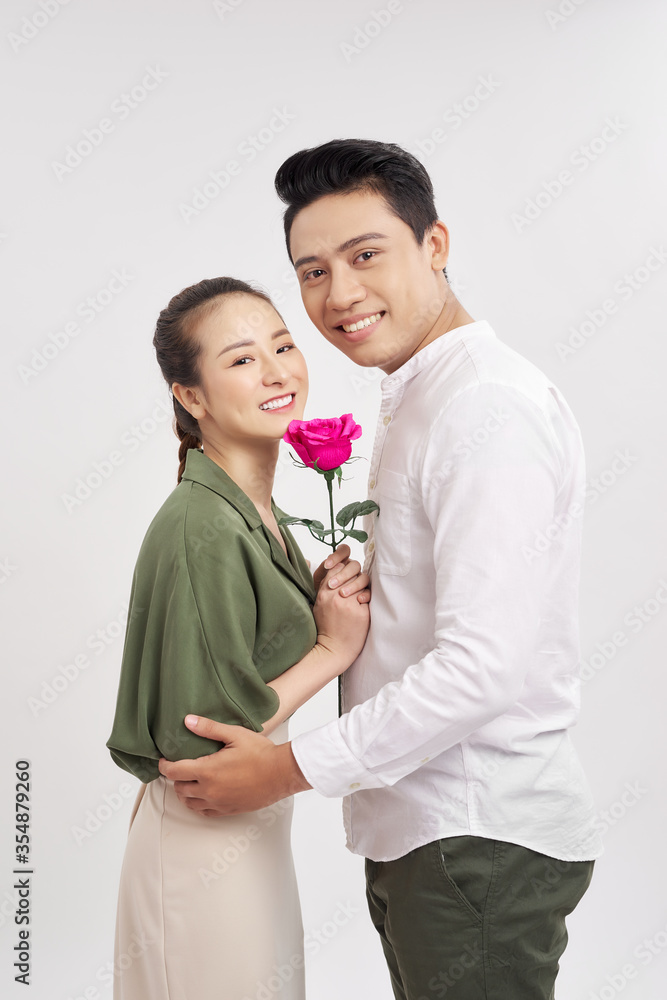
[{"x": 275, "y": 370}]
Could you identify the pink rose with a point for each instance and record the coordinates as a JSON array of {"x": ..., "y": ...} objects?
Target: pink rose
[{"x": 327, "y": 442}]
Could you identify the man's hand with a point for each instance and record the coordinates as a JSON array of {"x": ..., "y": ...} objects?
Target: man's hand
[{"x": 250, "y": 771}]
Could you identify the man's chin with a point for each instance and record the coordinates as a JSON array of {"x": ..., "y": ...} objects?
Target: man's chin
[
  {"x": 366, "y": 353},
  {"x": 372, "y": 356}
]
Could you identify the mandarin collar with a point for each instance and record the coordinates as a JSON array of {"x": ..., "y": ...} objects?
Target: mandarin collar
[{"x": 440, "y": 346}]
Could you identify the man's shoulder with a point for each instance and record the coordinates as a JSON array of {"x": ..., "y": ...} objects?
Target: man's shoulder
[
  {"x": 496, "y": 361},
  {"x": 475, "y": 388},
  {"x": 481, "y": 362}
]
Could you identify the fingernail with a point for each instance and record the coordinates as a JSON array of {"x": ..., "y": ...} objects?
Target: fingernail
[
  {"x": 328, "y": 564},
  {"x": 333, "y": 583},
  {"x": 344, "y": 593},
  {"x": 191, "y": 720}
]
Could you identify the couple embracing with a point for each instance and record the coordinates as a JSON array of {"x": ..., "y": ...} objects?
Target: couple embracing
[{"x": 457, "y": 642}]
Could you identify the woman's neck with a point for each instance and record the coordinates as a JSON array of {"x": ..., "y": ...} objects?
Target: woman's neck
[{"x": 252, "y": 468}]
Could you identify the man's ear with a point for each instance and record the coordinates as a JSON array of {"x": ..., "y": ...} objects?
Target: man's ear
[
  {"x": 438, "y": 245},
  {"x": 190, "y": 399}
]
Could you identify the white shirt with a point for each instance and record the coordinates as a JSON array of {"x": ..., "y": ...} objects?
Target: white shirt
[{"x": 458, "y": 708}]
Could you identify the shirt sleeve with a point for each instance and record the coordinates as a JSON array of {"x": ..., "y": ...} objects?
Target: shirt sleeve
[
  {"x": 189, "y": 646},
  {"x": 485, "y": 503}
]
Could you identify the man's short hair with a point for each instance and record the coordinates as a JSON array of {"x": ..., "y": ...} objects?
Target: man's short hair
[{"x": 345, "y": 165}]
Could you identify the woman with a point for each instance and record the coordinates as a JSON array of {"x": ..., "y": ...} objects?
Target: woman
[{"x": 225, "y": 622}]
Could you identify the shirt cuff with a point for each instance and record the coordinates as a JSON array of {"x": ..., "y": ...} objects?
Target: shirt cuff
[{"x": 328, "y": 764}]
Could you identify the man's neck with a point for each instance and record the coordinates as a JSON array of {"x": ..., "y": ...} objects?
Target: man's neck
[{"x": 451, "y": 316}]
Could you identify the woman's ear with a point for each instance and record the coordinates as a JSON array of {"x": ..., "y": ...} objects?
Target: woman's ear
[{"x": 190, "y": 399}]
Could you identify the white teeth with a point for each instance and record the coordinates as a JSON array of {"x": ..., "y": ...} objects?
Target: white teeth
[
  {"x": 353, "y": 327},
  {"x": 275, "y": 404}
]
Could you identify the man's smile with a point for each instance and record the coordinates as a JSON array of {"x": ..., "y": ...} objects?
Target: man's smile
[{"x": 359, "y": 326}]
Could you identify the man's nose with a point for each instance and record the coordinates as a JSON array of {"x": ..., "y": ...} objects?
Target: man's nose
[{"x": 344, "y": 289}]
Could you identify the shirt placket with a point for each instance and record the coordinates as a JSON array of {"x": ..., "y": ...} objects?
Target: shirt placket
[{"x": 392, "y": 392}]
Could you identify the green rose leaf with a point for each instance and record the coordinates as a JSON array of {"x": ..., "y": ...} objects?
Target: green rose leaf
[
  {"x": 301, "y": 520},
  {"x": 359, "y": 536},
  {"x": 354, "y": 510}
]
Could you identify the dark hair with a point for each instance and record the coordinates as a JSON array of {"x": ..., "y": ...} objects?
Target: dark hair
[
  {"x": 345, "y": 165},
  {"x": 178, "y": 349}
]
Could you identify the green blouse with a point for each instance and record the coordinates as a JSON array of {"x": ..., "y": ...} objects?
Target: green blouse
[{"x": 216, "y": 611}]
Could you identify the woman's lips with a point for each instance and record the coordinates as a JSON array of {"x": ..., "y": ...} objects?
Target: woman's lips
[{"x": 278, "y": 409}]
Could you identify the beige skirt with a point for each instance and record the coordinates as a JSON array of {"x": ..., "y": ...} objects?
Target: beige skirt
[{"x": 208, "y": 907}]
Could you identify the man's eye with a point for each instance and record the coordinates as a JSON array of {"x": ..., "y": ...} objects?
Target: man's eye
[
  {"x": 366, "y": 255},
  {"x": 313, "y": 274}
]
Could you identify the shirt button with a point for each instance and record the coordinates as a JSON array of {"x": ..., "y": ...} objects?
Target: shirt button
[
  {"x": 371, "y": 485},
  {"x": 371, "y": 547},
  {"x": 387, "y": 420},
  {"x": 424, "y": 760},
  {"x": 355, "y": 785}
]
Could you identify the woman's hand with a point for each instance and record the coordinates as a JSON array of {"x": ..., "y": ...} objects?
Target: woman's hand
[
  {"x": 342, "y": 621},
  {"x": 346, "y": 573},
  {"x": 342, "y": 624}
]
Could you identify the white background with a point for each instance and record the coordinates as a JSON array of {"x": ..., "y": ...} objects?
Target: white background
[{"x": 552, "y": 82}]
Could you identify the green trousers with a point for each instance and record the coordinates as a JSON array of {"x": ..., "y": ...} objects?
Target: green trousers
[{"x": 466, "y": 918}]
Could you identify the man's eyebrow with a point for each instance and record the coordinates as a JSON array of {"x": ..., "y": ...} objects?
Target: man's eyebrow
[
  {"x": 251, "y": 343},
  {"x": 347, "y": 245}
]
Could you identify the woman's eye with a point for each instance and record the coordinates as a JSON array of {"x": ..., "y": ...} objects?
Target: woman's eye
[
  {"x": 285, "y": 347},
  {"x": 241, "y": 361}
]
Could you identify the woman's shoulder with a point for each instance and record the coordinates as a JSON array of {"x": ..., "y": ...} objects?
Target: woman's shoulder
[
  {"x": 190, "y": 510},
  {"x": 170, "y": 516}
]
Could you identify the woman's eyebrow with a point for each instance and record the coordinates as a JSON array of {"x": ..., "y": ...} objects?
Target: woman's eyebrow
[
  {"x": 251, "y": 343},
  {"x": 239, "y": 343}
]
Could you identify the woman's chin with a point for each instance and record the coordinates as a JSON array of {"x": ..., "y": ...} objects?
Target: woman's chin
[
  {"x": 279, "y": 426},
  {"x": 276, "y": 423}
]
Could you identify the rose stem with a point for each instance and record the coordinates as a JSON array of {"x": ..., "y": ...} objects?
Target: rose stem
[{"x": 331, "y": 513}]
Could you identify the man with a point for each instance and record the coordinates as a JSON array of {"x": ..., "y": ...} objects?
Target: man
[{"x": 461, "y": 786}]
